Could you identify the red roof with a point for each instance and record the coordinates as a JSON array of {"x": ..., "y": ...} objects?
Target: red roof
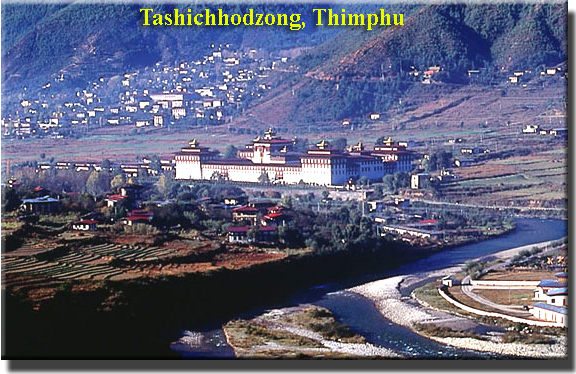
[
  {"x": 247, "y": 228},
  {"x": 277, "y": 207},
  {"x": 428, "y": 221},
  {"x": 274, "y": 215},
  {"x": 116, "y": 197},
  {"x": 245, "y": 209},
  {"x": 137, "y": 218},
  {"x": 87, "y": 222},
  {"x": 140, "y": 213}
]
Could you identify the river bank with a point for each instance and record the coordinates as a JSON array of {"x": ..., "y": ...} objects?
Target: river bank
[
  {"x": 304, "y": 331},
  {"x": 387, "y": 296}
]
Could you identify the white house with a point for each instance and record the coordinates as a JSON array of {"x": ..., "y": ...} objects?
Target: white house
[
  {"x": 558, "y": 297},
  {"x": 550, "y": 313},
  {"x": 545, "y": 286},
  {"x": 530, "y": 129}
]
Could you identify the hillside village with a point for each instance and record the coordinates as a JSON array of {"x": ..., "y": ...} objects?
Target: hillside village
[
  {"x": 207, "y": 91},
  {"x": 210, "y": 91}
]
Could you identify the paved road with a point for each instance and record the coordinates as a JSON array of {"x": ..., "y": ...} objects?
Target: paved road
[
  {"x": 432, "y": 202},
  {"x": 514, "y": 310}
]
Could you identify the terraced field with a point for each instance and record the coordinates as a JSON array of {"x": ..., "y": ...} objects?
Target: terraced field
[
  {"x": 29, "y": 248},
  {"x": 95, "y": 262},
  {"x": 538, "y": 179}
]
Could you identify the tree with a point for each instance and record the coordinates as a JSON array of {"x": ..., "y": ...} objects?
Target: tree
[
  {"x": 117, "y": 181},
  {"x": 438, "y": 160},
  {"x": 287, "y": 201},
  {"x": 170, "y": 215},
  {"x": 289, "y": 236},
  {"x": 363, "y": 181},
  {"x": 445, "y": 159},
  {"x": 164, "y": 186},
  {"x": 217, "y": 176},
  {"x": 401, "y": 180},
  {"x": 106, "y": 164},
  {"x": 252, "y": 233},
  {"x": 301, "y": 145},
  {"x": 155, "y": 163},
  {"x": 230, "y": 151},
  {"x": 10, "y": 200},
  {"x": 378, "y": 191},
  {"x": 432, "y": 164},
  {"x": 388, "y": 182},
  {"x": 339, "y": 143},
  {"x": 263, "y": 178},
  {"x": 92, "y": 183}
]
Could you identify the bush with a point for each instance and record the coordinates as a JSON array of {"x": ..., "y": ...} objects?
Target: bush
[
  {"x": 141, "y": 229},
  {"x": 516, "y": 337},
  {"x": 444, "y": 332},
  {"x": 535, "y": 250}
]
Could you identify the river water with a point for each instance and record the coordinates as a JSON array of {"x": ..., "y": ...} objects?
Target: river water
[{"x": 363, "y": 317}]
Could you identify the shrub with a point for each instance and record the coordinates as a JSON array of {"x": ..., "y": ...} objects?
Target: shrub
[
  {"x": 515, "y": 337},
  {"x": 535, "y": 250}
]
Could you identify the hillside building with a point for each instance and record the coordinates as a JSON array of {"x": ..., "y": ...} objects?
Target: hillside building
[
  {"x": 45, "y": 204},
  {"x": 85, "y": 225},
  {"x": 552, "y": 300}
]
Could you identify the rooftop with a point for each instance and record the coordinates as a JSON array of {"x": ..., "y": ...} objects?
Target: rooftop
[
  {"x": 552, "y": 283},
  {"x": 245, "y": 209},
  {"x": 138, "y": 218},
  {"x": 274, "y": 215},
  {"x": 247, "y": 228},
  {"x": 44, "y": 199},
  {"x": 86, "y": 222},
  {"x": 115, "y": 197},
  {"x": 553, "y": 308},
  {"x": 558, "y": 291}
]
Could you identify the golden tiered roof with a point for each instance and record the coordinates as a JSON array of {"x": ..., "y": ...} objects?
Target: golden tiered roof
[
  {"x": 359, "y": 146},
  {"x": 269, "y": 134}
]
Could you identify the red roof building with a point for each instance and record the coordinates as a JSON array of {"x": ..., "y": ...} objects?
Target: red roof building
[
  {"x": 240, "y": 234},
  {"x": 85, "y": 225},
  {"x": 133, "y": 220}
]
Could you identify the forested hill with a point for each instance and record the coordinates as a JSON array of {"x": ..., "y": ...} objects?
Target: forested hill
[
  {"x": 456, "y": 36},
  {"x": 359, "y": 72}
]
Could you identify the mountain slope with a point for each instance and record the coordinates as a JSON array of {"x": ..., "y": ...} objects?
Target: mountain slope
[
  {"x": 456, "y": 36},
  {"x": 358, "y": 72},
  {"x": 85, "y": 40}
]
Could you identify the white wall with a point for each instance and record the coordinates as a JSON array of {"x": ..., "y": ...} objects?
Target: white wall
[{"x": 188, "y": 169}]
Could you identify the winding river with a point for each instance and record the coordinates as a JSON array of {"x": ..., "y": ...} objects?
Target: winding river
[{"x": 361, "y": 315}]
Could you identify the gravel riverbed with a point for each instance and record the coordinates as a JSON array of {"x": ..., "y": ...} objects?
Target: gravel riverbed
[{"x": 386, "y": 296}]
